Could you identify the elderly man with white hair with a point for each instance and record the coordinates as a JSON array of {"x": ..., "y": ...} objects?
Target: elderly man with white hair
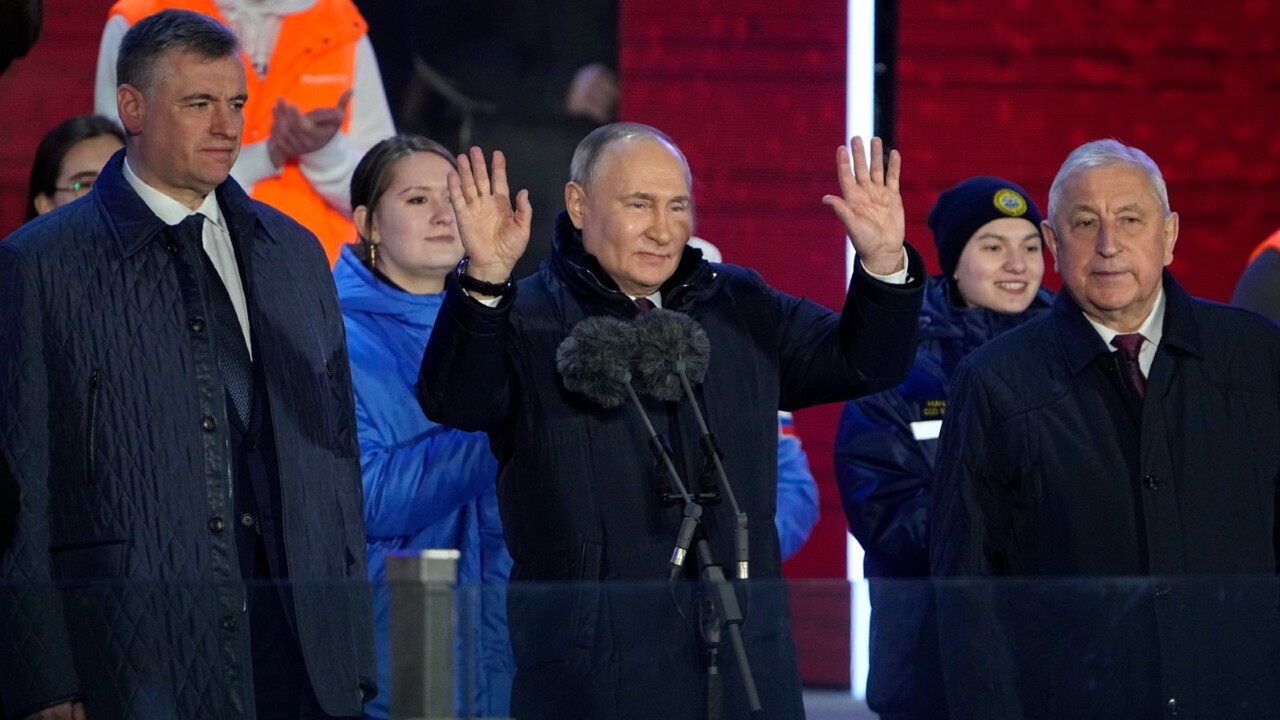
[{"x": 1128, "y": 436}]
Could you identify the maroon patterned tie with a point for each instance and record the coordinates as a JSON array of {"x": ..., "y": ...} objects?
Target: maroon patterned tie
[
  {"x": 644, "y": 305},
  {"x": 1129, "y": 344}
]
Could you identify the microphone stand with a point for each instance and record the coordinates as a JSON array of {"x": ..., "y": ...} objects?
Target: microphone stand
[
  {"x": 724, "y": 600},
  {"x": 692, "y": 510},
  {"x": 741, "y": 540},
  {"x": 727, "y": 614},
  {"x": 725, "y": 611}
]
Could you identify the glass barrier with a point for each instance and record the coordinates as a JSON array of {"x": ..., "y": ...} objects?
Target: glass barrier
[{"x": 1204, "y": 647}]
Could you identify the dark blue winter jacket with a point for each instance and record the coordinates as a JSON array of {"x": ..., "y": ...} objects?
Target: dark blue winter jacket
[
  {"x": 597, "y": 631},
  {"x": 884, "y": 462}
]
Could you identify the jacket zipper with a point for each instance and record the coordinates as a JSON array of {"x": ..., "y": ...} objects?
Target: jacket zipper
[{"x": 92, "y": 429}]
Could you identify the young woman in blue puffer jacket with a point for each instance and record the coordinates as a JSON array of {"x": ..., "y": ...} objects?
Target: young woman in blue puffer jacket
[{"x": 425, "y": 485}]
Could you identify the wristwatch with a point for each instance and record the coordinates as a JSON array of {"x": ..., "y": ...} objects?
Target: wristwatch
[{"x": 478, "y": 286}]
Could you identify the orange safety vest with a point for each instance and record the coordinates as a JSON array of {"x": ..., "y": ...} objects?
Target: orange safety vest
[
  {"x": 1271, "y": 243},
  {"x": 313, "y": 63}
]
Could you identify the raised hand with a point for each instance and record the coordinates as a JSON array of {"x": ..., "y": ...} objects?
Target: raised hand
[
  {"x": 871, "y": 208},
  {"x": 494, "y": 235}
]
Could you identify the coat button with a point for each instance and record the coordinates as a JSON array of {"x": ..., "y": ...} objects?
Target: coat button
[
  {"x": 1151, "y": 482},
  {"x": 1171, "y": 707},
  {"x": 228, "y": 622},
  {"x": 216, "y": 524},
  {"x": 246, "y": 520},
  {"x": 172, "y": 247},
  {"x": 207, "y": 424},
  {"x": 197, "y": 324},
  {"x": 250, "y": 446},
  {"x": 1163, "y": 591}
]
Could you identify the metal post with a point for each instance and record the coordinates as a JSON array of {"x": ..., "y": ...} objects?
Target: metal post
[{"x": 423, "y": 630}]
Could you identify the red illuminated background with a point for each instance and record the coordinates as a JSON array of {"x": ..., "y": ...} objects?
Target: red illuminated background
[{"x": 753, "y": 91}]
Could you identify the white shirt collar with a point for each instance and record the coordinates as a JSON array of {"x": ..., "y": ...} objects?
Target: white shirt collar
[
  {"x": 1152, "y": 328},
  {"x": 166, "y": 208},
  {"x": 655, "y": 298}
]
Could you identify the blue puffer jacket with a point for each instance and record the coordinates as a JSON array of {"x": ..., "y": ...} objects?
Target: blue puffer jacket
[
  {"x": 797, "y": 490},
  {"x": 425, "y": 485},
  {"x": 884, "y": 462}
]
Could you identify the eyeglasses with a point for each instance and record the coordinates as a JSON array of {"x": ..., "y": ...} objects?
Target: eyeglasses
[{"x": 78, "y": 189}]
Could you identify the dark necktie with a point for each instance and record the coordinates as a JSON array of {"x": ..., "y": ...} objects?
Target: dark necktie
[
  {"x": 233, "y": 355},
  {"x": 644, "y": 305},
  {"x": 1129, "y": 344}
]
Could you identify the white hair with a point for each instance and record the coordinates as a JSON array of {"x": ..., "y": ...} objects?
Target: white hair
[{"x": 1107, "y": 153}]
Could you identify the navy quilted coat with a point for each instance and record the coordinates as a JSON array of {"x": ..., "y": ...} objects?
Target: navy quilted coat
[{"x": 121, "y": 583}]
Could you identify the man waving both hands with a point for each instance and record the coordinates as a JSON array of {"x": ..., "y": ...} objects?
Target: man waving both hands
[{"x": 576, "y": 481}]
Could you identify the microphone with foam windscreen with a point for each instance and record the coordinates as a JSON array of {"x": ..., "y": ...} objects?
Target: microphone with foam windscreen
[
  {"x": 672, "y": 353},
  {"x": 595, "y": 361}
]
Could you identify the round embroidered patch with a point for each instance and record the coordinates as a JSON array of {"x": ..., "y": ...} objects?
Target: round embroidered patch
[{"x": 1010, "y": 203}]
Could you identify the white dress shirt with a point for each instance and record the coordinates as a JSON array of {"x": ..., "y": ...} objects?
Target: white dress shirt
[{"x": 216, "y": 240}]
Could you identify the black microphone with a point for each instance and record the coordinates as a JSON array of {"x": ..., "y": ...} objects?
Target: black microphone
[
  {"x": 595, "y": 361},
  {"x": 672, "y": 351}
]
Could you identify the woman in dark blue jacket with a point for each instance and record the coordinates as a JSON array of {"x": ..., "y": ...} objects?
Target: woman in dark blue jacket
[
  {"x": 987, "y": 231},
  {"x": 425, "y": 485}
]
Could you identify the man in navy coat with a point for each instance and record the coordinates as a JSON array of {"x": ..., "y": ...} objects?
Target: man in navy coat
[
  {"x": 177, "y": 417},
  {"x": 594, "y": 637},
  {"x": 1127, "y": 439}
]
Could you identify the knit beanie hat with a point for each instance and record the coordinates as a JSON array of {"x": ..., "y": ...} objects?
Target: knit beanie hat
[{"x": 961, "y": 210}]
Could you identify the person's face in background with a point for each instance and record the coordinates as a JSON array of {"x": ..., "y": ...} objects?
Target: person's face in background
[
  {"x": 186, "y": 125},
  {"x": 412, "y": 224},
  {"x": 80, "y": 167},
  {"x": 1111, "y": 241},
  {"x": 1001, "y": 266},
  {"x": 637, "y": 216}
]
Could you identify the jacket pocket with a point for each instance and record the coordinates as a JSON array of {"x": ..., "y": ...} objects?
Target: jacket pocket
[
  {"x": 91, "y": 427},
  {"x": 90, "y": 561}
]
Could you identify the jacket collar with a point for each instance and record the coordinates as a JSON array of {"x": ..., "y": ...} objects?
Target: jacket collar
[
  {"x": 135, "y": 224},
  {"x": 1081, "y": 344},
  {"x": 582, "y": 272},
  {"x": 940, "y": 318},
  {"x": 359, "y": 290}
]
